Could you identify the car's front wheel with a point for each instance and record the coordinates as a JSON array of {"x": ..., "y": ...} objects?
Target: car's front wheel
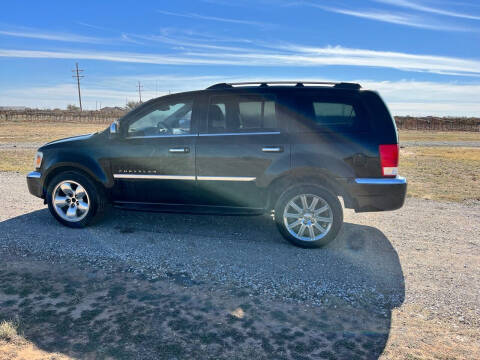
[
  {"x": 309, "y": 215},
  {"x": 74, "y": 200}
]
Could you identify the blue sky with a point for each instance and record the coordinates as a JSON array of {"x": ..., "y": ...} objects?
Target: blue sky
[{"x": 422, "y": 55}]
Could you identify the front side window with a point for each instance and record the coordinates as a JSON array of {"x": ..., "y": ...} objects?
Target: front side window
[
  {"x": 165, "y": 118},
  {"x": 241, "y": 114}
]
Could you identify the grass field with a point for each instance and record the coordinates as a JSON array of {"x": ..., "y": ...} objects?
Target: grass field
[
  {"x": 442, "y": 173},
  {"x": 413, "y": 135},
  {"x": 14, "y": 159},
  {"x": 431, "y": 171},
  {"x": 11, "y": 132},
  {"x": 14, "y": 156}
]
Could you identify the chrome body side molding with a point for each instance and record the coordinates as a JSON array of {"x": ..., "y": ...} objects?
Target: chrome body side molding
[
  {"x": 226, "y": 178},
  {"x": 154, "y": 177},
  {"x": 183, "y": 177}
]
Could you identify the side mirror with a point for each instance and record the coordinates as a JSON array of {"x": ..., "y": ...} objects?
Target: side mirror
[{"x": 114, "y": 129}]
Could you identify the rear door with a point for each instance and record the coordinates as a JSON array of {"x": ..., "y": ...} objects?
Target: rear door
[
  {"x": 154, "y": 159},
  {"x": 240, "y": 149}
]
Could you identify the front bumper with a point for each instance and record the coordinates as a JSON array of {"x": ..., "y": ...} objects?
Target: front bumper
[
  {"x": 378, "y": 194},
  {"x": 34, "y": 182}
]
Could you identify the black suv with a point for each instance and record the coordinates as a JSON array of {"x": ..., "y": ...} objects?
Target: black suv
[{"x": 238, "y": 148}]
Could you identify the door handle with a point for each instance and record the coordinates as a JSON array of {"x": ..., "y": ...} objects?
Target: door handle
[
  {"x": 272, "y": 149},
  {"x": 179, "y": 150}
]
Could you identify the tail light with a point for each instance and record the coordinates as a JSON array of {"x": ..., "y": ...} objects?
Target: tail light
[{"x": 389, "y": 159}]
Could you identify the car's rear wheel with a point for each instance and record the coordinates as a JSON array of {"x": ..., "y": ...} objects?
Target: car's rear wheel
[
  {"x": 74, "y": 200},
  {"x": 308, "y": 215}
]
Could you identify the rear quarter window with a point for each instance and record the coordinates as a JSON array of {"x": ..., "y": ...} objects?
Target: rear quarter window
[
  {"x": 328, "y": 114},
  {"x": 333, "y": 114}
]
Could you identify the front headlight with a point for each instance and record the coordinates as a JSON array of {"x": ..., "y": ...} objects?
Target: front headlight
[{"x": 38, "y": 160}]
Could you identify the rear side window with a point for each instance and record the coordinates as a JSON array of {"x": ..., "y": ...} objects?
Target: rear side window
[
  {"x": 320, "y": 114},
  {"x": 241, "y": 114},
  {"x": 333, "y": 114}
]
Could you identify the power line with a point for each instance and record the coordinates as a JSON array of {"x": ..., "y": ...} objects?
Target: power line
[
  {"x": 77, "y": 75},
  {"x": 140, "y": 87}
]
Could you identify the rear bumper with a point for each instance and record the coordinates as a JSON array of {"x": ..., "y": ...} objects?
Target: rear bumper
[
  {"x": 372, "y": 194},
  {"x": 34, "y": 182}
]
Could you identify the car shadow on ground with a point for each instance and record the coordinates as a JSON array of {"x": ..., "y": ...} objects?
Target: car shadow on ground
[{"x": 78, "y": 292}]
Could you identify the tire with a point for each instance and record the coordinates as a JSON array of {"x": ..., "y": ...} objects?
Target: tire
[
  {"x": 325, "y": 224},
  {"x": 89, "y": 203}
]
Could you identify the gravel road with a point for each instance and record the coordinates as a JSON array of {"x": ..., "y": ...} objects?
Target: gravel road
[{"x": 427, "y": 253}]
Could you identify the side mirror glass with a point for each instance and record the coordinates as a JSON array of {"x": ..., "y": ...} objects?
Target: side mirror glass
[{"x": 114, "y": 129}]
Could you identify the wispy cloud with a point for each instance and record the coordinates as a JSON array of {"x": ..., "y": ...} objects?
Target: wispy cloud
[
  {"x": 184, "y": 42},
  {"x": 399, "y": 18},
  {"x": 65, "y": 37},
  {"x": 140, "y": 58},
  {"x": 420, "y": 7},
  {"x": 129, "y": 39},
  {"x": 286, "y": 55},
  {"x": 92, "y": 26},
  {"x": 214, "y": 18}
]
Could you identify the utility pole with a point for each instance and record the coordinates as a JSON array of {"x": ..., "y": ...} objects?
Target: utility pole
[
  {"x": 77, "y": 75},
  {"x": 140, "y": 87}
]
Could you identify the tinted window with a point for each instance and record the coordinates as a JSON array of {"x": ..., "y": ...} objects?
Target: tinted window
[
  {"x": 325, "y": 114},
  {"x": 333, "y": 114},
  {"x": 166, "y": 118},
  {"x": 241, "y": 114}
]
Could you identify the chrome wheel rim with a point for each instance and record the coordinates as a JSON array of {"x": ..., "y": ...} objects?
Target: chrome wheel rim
[
  {"x": 70, "y": 201},
  {"x": 308, "y": 217}
]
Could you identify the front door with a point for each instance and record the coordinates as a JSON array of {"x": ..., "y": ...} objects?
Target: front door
[
  {"x": 240, "y": 150},
  {"x": 154, "y": 158}
]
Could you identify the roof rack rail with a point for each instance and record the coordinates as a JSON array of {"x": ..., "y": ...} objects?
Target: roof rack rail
[
  {"x": 220, "y": 86},
  {"x": 340, "y": 85}
]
